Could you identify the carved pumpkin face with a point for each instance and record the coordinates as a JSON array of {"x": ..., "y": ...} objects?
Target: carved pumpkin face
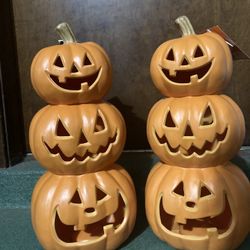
[
  {"x": 90, "y": 211},
  {"x": 71, "y": 73},
  {"x": 192, "y": 65},
  {"x": 75, "y": 139},
  {"x": 204, "y": 208},
  {"x": 195, "y": 131}
]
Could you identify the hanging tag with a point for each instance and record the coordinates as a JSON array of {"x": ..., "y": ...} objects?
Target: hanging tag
[{"x": 237, "y": 53}]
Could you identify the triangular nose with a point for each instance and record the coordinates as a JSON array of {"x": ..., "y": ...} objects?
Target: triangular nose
[
  {"x": 188, "y": 131},
  {"x": 184, "y": 61},
  {"x": 74, "y": 68}
]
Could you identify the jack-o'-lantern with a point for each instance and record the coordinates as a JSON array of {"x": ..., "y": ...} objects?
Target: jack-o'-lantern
[
  {"x": 75, "y": 139},
  {"x": 72, "y": 72},
  {"x": 198, "y": 131},
  {"x": 84, "y": 212},
  {"x": 193, "y": 64},
  {"x": 199, "y": 209}
]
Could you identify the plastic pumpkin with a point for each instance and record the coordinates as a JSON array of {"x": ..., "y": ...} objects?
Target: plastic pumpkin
[
  {"x": 191, "y": 65},
  {"x": 197, "y": 208},
  {"x": 72, "y": 72},
  {"x": 84, "y": 212},
  {"x": 199, "y": 131},
  {"x": 75, "y": 139}
]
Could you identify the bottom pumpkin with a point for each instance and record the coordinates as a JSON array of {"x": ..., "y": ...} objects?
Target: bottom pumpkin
[
  {"x": 199, "y": 209},
  {"x": 89, "y": 211}
]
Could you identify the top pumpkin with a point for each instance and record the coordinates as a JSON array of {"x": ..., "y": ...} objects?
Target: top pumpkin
[
  {"x": 191, "y": 65},
  {"x": 71, "y": 73}
]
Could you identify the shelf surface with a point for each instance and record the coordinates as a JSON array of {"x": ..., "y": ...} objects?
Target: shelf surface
[{"x": 17, "y": 183}]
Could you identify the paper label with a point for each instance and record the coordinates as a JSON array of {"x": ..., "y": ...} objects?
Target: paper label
[{"x": 237, "y": 53}]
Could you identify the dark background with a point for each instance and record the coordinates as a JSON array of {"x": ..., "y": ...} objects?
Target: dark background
[{"x": 130, "y": 31}]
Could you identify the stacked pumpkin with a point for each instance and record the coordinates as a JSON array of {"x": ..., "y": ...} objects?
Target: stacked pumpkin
[
  {"x": 85, "y": 200},
  {"x": 195, "y": 198}
]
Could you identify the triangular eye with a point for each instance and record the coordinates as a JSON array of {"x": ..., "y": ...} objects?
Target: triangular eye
[
  {"x": 198, "y": 52},
  {"x": 169, "y": 122},
  {"x": 61, "y": 130},
  {"x": 76, "y": 198},
  {"x": 207, "y": 118},
  {"x": 170, "y": 55},
  {"x": 74, "y": 69},
  {"x": 179, "y": 189},
  {"x": 86, "y": 61},
  {"x": 82, "y": 138},
  {"x": 100, "y": 194},
  {"x": 205, "y": 191},
  {"x": 58, "y": 62},
  {"x": 99, "y": 124}
]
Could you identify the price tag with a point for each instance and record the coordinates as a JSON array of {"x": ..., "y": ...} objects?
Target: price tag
[{"x": 237, "y": 53}]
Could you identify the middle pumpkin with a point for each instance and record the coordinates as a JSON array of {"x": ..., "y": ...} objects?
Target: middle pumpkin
[
  {"x": 77, "y": 139},
  {"x": 200, "y": 131}
]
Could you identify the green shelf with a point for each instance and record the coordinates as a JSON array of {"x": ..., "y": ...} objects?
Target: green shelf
[{"x": 17, "y": 183}]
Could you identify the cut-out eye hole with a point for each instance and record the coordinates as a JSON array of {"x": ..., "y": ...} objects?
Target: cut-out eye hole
[
  {"x": 205, "y": 191},
  {"x": 74, "y": 69},
  {"x": 86, "y": 61},
  {"x": 61, "y": 130},
  {"x": 184, "y": 61},
  {"x": 58, "y": 62},
  {"x": 198, "y": 52},
  {"x": 82, "y": 138},
  {"x": 207, "y": 118},
  {"x": 99, "y": 194},
  {"x": 170, "y": 55},
  {"x": 179, "y": 189},
  {"x": 169, "y": 121},
  {"x": 99, "y": 124},
  {"x": 76, "y": 198}
]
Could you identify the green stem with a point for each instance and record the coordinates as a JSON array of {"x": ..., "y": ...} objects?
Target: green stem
[
  {"x": 65, "y": 33},
  {"x": 185, "y": 26}
]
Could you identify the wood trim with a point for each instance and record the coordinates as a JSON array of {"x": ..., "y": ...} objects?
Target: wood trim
[{"x": 12, "y": 120}]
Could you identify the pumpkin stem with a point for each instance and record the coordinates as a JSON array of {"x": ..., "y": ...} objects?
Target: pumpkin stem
[
  {"x": 185, "y": 25},
  {"x": 65, "y": 32}
]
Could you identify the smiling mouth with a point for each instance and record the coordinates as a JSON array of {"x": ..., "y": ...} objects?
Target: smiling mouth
[
  {"x": 76, "y": 83},
  {"x": 56, "y": 150},
  {"x": 71, "y": 234},
  {"x": 198, "y": 227},
  {"x": 207, "y": 146},
  {"x": 186, "y": 75}
]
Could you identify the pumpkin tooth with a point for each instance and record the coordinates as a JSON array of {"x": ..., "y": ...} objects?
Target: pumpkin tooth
[
  {"x": 79, "y": 227},
  {"x": 108, "y": 229},
  {"x": 180, "y": 220},
  {"x": 175, "y": 227},
  {"x": 172, "y": 72},
  {"x": 194, "y": 78},
  {"x": 212, "y": 232},
  {"x": 183, "y": 151},
  {"x": 111, "y": 219},
  {"x": 84, "y": 86}
]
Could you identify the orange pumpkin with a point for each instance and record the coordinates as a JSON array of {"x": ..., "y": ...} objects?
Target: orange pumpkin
[
  {"x": 72, "y": 72},
  {"x": 199, "y": 131},
  {"x": 75, "y": 139},
  {"x": 191, "y": 65},
  {"x": 204, "y": 208},
  {"x": 90, "y": 211}
]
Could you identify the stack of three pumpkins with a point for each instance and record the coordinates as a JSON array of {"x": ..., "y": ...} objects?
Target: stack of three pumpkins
[
  {"x": 85, "y": 200},
  {"x": 195, "y": 198}
]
